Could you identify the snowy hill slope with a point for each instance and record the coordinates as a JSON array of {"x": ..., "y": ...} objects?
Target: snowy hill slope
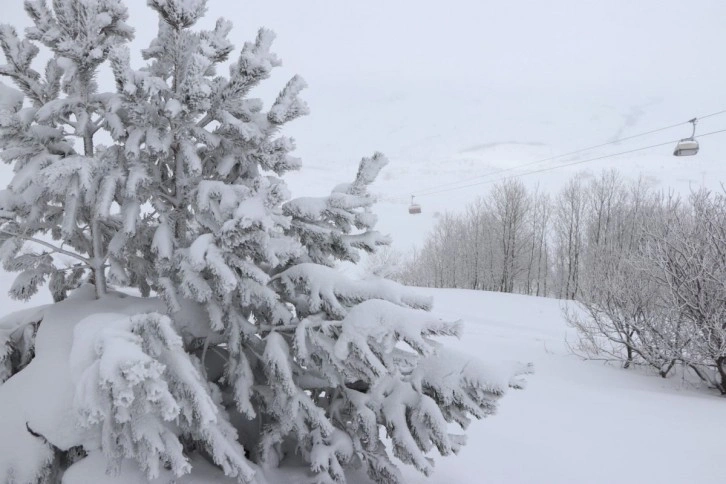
[
  {"x": 470, "y": 149},
  {"x": 577, "y": 421}
]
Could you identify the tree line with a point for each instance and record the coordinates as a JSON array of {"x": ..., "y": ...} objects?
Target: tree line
[
  {"x": 647, "y": 267},
  {"x": 527, "y": 241}
]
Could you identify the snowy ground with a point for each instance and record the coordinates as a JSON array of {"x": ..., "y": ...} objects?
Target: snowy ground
[{"x": 577, "y": 421}]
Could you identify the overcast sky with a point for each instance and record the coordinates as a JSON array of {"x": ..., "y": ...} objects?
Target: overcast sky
[
  {"x": 532, "y": 53},
  {"x": 453, "y": 89}
]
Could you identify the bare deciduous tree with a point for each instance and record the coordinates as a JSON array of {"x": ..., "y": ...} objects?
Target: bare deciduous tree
[
  {"x": 510, "y": 206},
  {"x": 568, "y": 235}
]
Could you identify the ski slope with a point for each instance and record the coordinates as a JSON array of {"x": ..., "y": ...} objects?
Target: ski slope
[{"x": 577, "y": 421}]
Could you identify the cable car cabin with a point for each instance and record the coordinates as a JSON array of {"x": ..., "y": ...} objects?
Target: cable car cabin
[
  {"x": 686, "y": 147},
  {"x": 414, "y": 208}
]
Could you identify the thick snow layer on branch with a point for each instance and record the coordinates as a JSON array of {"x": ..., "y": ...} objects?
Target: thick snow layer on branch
[
  {"x": 12, "y": 322},
  {"x": 368, "y": 171},
  {"x": 180, "y": 14},
  {"x": 10, "y": 99},
  {"x": 329, "y": 290},
  {"x": 463, "y": 385},
  {"x": 381, "y": 324},
  {"x": 256, "y": 61},
  {"x": 288, "y": 106},
  {"x": 307, "y": 207}
]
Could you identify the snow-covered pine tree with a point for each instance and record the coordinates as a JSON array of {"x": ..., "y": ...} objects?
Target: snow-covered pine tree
[
  {"x": 261, "y": 353},
  {"x": 64, "y": 182}
]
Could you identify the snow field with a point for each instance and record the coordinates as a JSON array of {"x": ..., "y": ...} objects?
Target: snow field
[{"x": 577, "y": 421}]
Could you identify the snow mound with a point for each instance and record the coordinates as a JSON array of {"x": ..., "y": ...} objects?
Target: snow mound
[{"x": 40, "y": 397}]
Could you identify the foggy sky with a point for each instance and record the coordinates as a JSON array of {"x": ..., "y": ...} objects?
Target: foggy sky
[{"x": 453, "y": 89}]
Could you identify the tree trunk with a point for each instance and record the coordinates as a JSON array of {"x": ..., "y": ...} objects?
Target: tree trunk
[
  {"x": 721, "y": 365},
  {"x": 97, "y": 258}
]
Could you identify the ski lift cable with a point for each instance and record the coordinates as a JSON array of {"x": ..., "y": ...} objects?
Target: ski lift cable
[
  {"x": 530, "y": 163},
  {"x": 709, "y": 115},
  {"x": 564, "y": 165},
  {"x": 550, "y": 168},
  {"x": 436, "y": 189}
]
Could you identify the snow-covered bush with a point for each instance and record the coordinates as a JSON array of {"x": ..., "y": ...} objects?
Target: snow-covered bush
[
  {"x": 659, "y": 299},
  {"x": 685, "y": 251},
  {"x": 249, "y": 350},
  {"x": 621, "y": 315}
]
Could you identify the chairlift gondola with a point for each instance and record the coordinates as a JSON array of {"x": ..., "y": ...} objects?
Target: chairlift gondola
[
  {"x": 414, "y": 208},
  {"x": 687, "y": 146}
]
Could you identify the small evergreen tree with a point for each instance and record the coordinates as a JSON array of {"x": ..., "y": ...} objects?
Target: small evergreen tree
[
  {"x": 64, "y": 182},
  {"x": 283, "y": 355}
]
